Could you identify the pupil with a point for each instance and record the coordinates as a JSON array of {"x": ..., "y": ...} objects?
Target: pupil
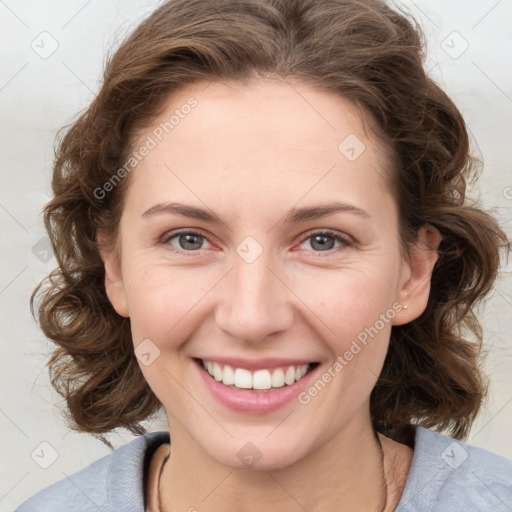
[
  {"x": 323, "y": 244},
  {"x": 187, "y": 240}
]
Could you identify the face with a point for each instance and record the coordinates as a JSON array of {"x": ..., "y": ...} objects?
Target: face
[{"x": 229, "y": 256}]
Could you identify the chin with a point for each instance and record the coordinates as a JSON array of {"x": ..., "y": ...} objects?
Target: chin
[{"x": 261, "y": 455}]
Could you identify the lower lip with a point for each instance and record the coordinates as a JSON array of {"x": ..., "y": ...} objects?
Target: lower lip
[{"x": 250, "y": 401}]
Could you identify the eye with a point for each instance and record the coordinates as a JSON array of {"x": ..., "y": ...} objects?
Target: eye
[
  {"x": 324, "y": 241},
  {"x": 186, "y": 240},
  {"x": 192, "y": 241}
]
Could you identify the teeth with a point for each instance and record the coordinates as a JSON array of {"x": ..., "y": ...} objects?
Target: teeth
[
  {"x": 260, "y": 379},
  {"x": 243, "y": 378},
  {"x": 289, "y": 376},
  {"x": 277, "y": 378},
  {"x": 229, "y": 375},
  {"x": 217, "y": 372}
]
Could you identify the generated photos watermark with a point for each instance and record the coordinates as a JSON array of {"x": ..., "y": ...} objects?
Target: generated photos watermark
[
  {"x": 149, "y": 144},
  {"x": 356, "y": 346}
]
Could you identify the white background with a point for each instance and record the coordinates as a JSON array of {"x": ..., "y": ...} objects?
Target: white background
[{"x": 38, "y": 96}]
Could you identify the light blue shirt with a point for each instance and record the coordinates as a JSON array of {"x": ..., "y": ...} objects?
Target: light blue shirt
[{"x": 445, "y": 476}]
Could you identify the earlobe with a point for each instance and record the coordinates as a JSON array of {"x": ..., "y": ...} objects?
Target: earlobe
[
  {"x": 114, "y": 284},
  {"x": 415, "y": 289}
]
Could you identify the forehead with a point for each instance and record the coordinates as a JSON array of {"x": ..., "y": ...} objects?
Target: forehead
[
  {"x": 269, "y": 138},
  {"x": 286, "y": 112}
]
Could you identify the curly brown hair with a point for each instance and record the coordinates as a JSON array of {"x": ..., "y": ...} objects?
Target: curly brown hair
[{"x": 364, "y": 51}]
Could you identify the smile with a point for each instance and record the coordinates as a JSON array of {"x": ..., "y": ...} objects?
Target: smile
[
  {"x": 263, "y": 379},
  {"x": 268, "y": 386}
]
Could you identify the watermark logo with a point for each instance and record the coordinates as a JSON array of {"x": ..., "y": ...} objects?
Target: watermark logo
[
  {"x": 147, "y": 352},
  {"x": 44, "y": 455},
  {"x": 42, "y": 250},
  {"x": 249, "y": 249},
  {"x": 454, "y": 45},
  {"x": 351, "y": 147},
  {"x": 44, "y": 44},
  {"x": 454, "y": 455},
  {"x": 249, "y": 455}
]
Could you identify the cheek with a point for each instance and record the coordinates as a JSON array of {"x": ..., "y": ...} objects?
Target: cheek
[
  {"x": 162, "y": 299},
  {"x": 354, "y": 313},
  {"x": 351, "y": 300}
]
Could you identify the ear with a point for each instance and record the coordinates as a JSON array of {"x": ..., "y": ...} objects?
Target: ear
[
  {"x": 114, "y": 284},
  {"x": 416, "y": 274}
]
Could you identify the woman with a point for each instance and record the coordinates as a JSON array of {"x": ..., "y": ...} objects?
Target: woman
[{"x": 261, "y": 226}]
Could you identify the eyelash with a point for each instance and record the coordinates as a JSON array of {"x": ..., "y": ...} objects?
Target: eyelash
[{"x": 346, "y": 241}]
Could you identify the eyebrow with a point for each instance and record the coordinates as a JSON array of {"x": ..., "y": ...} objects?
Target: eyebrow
[{"x": 293, "y": 216}]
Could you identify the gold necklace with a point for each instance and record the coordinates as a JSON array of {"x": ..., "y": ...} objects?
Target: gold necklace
[{"x": 159, "y": 501}]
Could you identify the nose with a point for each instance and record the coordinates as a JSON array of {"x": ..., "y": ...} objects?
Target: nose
[{"x": 255, "y": 301}]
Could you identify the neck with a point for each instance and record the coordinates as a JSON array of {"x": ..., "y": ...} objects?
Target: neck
[{"x": 345, "y": 472}]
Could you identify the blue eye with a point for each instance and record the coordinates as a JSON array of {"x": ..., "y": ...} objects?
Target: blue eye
[
  {"x": 192, "y": 241},
  {"x": 324, "y": 241}
]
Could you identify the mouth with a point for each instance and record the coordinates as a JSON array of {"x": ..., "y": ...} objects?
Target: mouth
[{"x": 263, "y": 380}]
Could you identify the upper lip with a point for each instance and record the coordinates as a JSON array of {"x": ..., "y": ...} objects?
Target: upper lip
[{"x": 257, "y": 364}]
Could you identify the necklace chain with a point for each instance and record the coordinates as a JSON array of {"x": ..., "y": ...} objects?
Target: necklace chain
[{"x": 385, "y": 500}]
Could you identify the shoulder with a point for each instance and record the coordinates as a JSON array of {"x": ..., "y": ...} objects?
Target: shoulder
[
  {"x": 447, "y": 475},
  {"x": 114, "y": 482}
]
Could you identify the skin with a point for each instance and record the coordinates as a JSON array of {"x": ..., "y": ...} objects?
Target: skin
[{"x": 251, "y": 153}]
